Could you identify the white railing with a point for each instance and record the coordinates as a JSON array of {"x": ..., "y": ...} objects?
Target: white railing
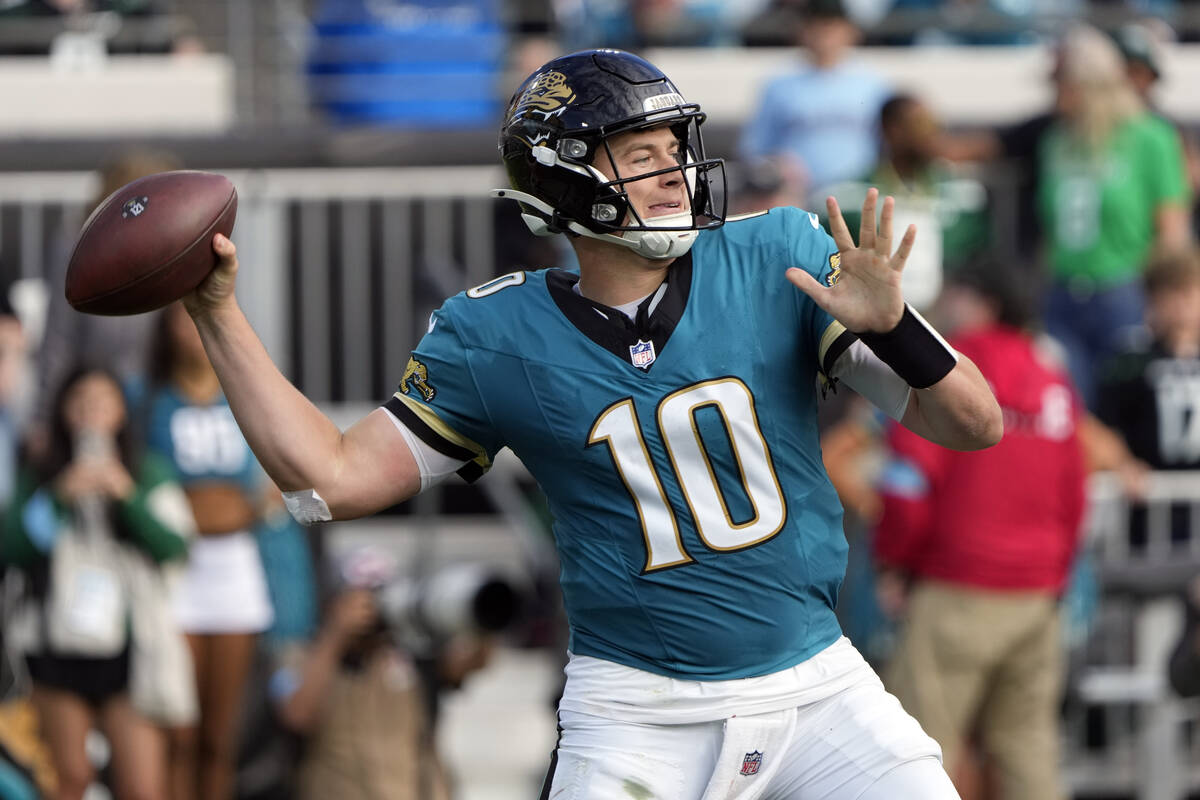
[{"x": 1119, "y": 693}]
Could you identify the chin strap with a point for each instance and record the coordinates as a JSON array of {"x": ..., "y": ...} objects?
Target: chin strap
[{"x": 648, "y": 244}]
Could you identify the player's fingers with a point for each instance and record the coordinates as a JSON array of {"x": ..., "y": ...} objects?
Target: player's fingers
[
  {"x": 883, "y": 244},
  {"x": 225, "y": 249},
  {"x": 906, "y": 246},
  {"x": 837, "y": 225},
  {"x": 807, "y": 284},
  {"x": 223, "y": 245},
  {"x": 866, "y": 225}
]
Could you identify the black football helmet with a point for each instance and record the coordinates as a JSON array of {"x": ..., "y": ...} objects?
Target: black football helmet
[{"x": 555, "y": 125}]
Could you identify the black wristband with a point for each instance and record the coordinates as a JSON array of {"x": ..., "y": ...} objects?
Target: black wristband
[{"x": 913, "y": 350}]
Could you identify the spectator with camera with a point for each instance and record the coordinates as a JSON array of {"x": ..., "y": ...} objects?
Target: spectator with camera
[
  {"x": 362, "y": 699},
  {"x": 92, "y": 527}
]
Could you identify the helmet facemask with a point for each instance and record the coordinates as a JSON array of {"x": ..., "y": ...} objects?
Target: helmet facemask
[{"x": 666, "y": 235}]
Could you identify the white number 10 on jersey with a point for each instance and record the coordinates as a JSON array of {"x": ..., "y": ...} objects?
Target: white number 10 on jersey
[{"x": 618, "y": 426}]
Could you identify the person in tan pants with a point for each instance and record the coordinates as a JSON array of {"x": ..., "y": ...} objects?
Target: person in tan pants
[
  {"x": 974, "y": 549},
  {"x": 987, "y": 661}
]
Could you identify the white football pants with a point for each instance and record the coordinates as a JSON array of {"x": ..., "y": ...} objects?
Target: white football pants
[{"x": 859, "y": 744}]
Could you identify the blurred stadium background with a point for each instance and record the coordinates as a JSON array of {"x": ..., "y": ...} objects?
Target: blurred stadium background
[{"x": 362, "y": 155}]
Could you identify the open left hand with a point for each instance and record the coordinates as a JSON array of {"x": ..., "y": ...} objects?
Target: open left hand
[{"x": 866, "y": 295}]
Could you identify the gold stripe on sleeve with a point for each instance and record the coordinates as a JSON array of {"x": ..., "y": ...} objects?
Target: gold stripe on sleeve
[{"x": 427, "y": 416}]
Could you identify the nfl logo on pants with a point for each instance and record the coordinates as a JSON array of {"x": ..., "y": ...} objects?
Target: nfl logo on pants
[{"x": 751, "y": 763}]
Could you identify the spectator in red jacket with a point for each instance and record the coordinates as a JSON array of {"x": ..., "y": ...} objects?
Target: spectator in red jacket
[{"x": 975, "y": 549}]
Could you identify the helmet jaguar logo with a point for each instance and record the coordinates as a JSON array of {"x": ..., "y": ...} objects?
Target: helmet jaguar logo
[
  {"x": 547, "y": 92},
  {"x": 416, "y": 376}
]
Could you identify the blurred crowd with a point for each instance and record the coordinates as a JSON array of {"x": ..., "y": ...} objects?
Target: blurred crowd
[
  {"x": 971, "y": 585},
  {"x": 636, "y": 24},
  {"x": 154, "y": 582}
]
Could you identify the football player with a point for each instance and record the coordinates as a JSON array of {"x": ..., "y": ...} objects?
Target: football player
[{"x": 664, "y": 397}]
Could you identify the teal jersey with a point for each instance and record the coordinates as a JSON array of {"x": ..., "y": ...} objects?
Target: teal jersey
[
  {"x": 698, "y": 533},
  {"x": 202, "y": 442}
]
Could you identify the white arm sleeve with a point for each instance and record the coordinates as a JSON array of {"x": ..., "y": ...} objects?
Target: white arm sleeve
[
  {"x": 434, "y": 466},
  {"x": 863, "y": 372}
]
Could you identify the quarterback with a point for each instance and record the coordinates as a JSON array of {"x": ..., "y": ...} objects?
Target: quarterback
[{"x": 664, "y": 396}]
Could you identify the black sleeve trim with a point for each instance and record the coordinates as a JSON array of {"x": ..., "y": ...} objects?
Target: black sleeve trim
[
  {"x": 470, "y": 471},
  {"x": 427, "y": 434},
  {"x": 840, "y": 345}
]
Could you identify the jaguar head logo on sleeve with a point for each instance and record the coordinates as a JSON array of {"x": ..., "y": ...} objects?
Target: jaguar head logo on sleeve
[
  {"x": 416, "y": 376},
  {"x": 835, "y": 269}
]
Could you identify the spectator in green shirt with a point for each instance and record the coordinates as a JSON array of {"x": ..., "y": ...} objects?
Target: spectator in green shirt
[
  {"x": 1112, "y": 186},
  {"x": 947, "y": 205}
]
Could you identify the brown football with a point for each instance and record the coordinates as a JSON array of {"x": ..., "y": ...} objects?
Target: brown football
[{"x": 150, "y": 242}]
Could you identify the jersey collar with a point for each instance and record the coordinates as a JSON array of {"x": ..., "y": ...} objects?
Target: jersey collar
[{"x": 611, "y": 329}]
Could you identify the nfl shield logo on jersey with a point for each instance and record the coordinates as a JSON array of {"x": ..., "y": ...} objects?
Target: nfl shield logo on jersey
[
  {"x": 642, "y": 354},
  {"x": 751, "y": 763}
]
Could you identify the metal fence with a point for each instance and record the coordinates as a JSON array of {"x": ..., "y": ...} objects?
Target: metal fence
[{"x": 1128, "y": 735}]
